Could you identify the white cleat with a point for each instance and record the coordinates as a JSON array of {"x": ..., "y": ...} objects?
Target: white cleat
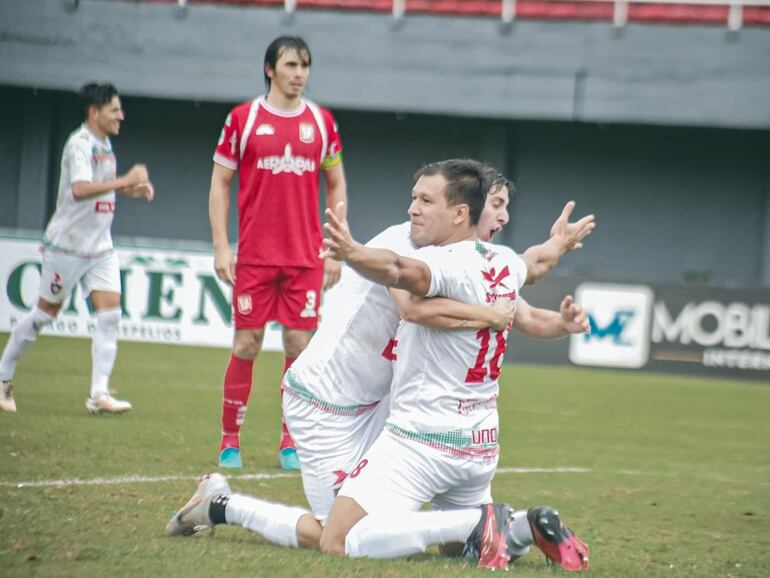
[
  {"x": 7, "y": 403},
  {"x": 105, "y": 403},
  {"x": 193, "y": 517}
]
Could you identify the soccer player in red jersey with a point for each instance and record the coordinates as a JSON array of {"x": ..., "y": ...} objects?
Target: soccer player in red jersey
[{"x": 278, "y": 144}]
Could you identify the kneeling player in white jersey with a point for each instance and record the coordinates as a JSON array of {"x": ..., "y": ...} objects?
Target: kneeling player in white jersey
[
  {"x": 77, "y": 246},
  {"x": 347, "y": 362},
  {"x": 440, "y": 442}
]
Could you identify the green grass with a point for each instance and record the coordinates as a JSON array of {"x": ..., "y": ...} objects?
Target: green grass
[{"x": 679, "y": 480}]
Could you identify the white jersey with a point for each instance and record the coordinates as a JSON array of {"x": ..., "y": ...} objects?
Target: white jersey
[
  {"x": 82, "y": 227},
  {"x": 446, "y": 381},
  {"x": 349, "y": 360}
]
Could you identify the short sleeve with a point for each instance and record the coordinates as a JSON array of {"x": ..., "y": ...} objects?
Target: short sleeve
[
  {"x": 441, "y": 263},
  {"x": 79, "y": 161},
  {"x": 227, "y": 151},
  {"x": 334, "y": 149}
]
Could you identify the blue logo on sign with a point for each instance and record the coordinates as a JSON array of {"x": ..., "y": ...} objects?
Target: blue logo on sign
[{"x": 613, "y": 329}]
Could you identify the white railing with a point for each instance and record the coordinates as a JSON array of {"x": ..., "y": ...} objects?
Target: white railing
[{"x": 619, "y": 13}]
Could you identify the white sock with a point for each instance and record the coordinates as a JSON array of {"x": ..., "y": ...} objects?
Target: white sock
[
  {"x": 408, "y": 533},
  {"x": 25, "y": 332},
  {"x": 277, "y": 523},
  {"x": 104, "y": 349}
]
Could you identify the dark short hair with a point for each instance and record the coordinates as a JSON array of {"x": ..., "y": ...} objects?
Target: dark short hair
[
  {"x": 497, "y": 180},
  {"x": 93, "y": 94},
  {"x": 467, "y": 183},
  {"x": 278, "y": 47}
]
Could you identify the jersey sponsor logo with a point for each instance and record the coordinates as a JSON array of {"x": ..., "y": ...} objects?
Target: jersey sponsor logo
[
  {"x": 104, "y": 206},
  {"x": 493, "y": 297},
  {"x": 265, "y": 129},
  {"x": 484, "y": 436},
  {"x": 495, "y": 279},
  {"x": 244, "y": 304},
  {"x": 468, "y": 406},
  {"x": 306, "y": 132},
  {"x": 56, "y": 285},
  {"x": 100, "y": 158},
  {"x": 287, "y": 163}
]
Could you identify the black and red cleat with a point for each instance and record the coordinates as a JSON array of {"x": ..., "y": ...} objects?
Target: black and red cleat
[
  {"x": 488, "y": 543},
  {"x": 557, "y": 542}
]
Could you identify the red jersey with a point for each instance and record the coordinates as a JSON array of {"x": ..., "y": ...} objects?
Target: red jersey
[{"x": 278, "y": 156}]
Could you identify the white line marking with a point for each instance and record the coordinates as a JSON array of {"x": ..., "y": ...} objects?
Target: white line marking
[
  {"x": 259, "y": 476},
  {"x": 543, "y": 470},
  {"x": 131, "y": 480}
]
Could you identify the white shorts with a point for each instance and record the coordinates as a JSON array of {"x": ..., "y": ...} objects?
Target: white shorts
[
  {"x": 400, "y": 474},
  {"x": 329, "y": 444},
  {"x": 60, "y": 272}
]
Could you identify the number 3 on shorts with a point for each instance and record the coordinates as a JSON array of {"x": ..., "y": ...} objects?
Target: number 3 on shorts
[{"x": 310, "y": 299}]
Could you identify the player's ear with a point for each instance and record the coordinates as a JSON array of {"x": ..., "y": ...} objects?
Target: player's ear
[
  {"x": 269, "y": 71},
  {"x": 461, "y": 211}
]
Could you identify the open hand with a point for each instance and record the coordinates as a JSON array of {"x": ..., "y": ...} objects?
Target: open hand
[
  {"x": 571, "y": 235},
  {"x": 574, "y": 316},
  {"x": 338, "y": 243}
]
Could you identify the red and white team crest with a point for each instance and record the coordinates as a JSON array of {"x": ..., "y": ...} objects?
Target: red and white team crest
[
  {"x": 244, "y": 304},
  {"x": 306, "y": 132}
]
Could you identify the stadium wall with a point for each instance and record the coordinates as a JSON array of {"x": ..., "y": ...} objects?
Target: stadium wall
[
  {"x": 697, "y": 75},
  {"x": 674, "y": 204}
]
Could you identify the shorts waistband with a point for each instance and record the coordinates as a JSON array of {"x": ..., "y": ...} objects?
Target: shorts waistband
[
  {"x": 293, "y": 387},
  {"x": 46, "y": 245},
  {"x": 458, "y": 443}
]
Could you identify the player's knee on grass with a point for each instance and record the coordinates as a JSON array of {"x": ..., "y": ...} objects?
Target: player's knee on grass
[
  {"x": 332, "y": 543},
  {"x": 345, "y": 514},
  {"x": 309, "y": 531}
]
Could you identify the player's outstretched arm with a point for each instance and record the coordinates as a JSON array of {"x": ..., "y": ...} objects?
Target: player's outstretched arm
[
  {"x": 219, "y": 206},
  {"x": 565, "y": 237},
  {"x": 336, "y": 192},
  {"x": 378, "y": 265},
  {"x": 448, "y": 314},
  {"x": 546, "y": 324}
]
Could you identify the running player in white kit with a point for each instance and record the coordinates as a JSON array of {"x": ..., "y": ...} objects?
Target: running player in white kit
[
  {"x": 335, "y": 386},
  {"x": 77, "y": 246}
]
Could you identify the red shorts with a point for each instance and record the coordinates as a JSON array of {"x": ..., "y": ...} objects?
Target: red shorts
[{"x": 288, "y": 295}]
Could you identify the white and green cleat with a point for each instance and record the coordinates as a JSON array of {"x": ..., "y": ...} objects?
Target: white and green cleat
[
  {"x": 105, "y": 403},
  {"x": 7, "y": 403},
  {"x": 193, "y": 517}
]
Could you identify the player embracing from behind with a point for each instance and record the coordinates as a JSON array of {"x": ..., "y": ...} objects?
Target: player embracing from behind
[
  {"x": 77, "y": 246},
  {"x": 278, "y": 144}
]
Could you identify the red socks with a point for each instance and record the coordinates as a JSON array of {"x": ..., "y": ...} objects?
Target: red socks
[
  {"x": 286, "y": 441},
  {"x": 237, "y": 388}
]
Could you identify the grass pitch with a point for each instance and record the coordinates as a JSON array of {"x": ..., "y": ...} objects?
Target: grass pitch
[{"x": 675, "y": 477}]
